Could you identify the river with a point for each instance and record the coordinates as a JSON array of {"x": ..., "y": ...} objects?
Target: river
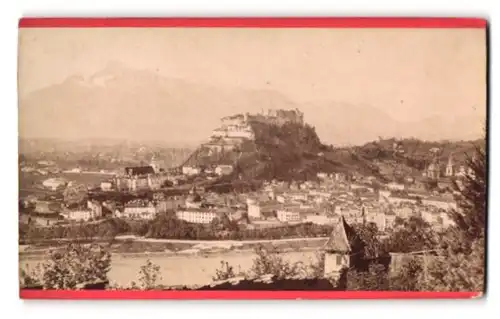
[{"x": 182, "y": 269}]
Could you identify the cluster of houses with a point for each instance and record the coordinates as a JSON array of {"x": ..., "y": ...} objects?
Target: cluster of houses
[
  {"x": 355, "y": 198},
  {"x": 357, "y": 201},
  {"x": 215, "y": 170},
  {"x": 320, "y": 202}
]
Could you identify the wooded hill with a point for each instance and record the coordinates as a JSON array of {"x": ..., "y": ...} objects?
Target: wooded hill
[{"x": 294, "y": 151}]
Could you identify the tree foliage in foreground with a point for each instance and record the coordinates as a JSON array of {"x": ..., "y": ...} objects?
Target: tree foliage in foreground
[
  {"x": 463, "y": 263},
  {"x": 272, "y": 262},
  {"x": 149, "y": 275},
  {"x": 471, "y": 217},
  {"x": 70, "y": 268}
]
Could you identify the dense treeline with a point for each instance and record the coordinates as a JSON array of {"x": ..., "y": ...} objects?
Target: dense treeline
[
  {"x": 168, "y": 227},
  {"x": 106, "y": 230}
]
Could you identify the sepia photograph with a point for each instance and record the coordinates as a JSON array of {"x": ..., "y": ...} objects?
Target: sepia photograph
[{"x": 253, "y": 159}]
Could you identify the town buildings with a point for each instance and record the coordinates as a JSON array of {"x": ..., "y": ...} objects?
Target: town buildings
[
  {"x": 223, "y": 169},
  {"x": 78, "y": 214},
  {"x": 441, "y": 202},
  {"x": 107, "y": 186},
  {"x": 197, "y": 215},
  {"x": 93, "y": 210},
  {"x": 170, "y": 203},
  {"x": 55, "y": 183},
  {"x": 139, "y": 209},
  {"x": 191, "y": 170},
  {"x": 140, "y": 178},
  {"x": 289, "y": 214},
  {"x": 347, "y": 195}
]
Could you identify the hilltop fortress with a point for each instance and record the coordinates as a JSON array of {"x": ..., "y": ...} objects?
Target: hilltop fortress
[
  {"x": 235, "y": 136},
  {"x": 235, "y": 129}
]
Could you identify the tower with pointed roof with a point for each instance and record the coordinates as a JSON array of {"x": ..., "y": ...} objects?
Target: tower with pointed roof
[
  {"x": 154, "y": 164},
  {"x": 433, "y": 170},
  {"x": 450, "y": 168},
  {"x": 344, "y": 249}
]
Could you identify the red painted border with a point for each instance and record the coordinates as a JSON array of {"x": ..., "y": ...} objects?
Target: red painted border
[
  {"x": 285, "y": 22},
  {"x": 239, "y": 295}
]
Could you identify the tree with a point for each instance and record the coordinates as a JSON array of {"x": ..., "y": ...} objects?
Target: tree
[
  {"x": 457, "y": 272},
  {"x": 418, "y": 200},
  {"x": 461, "y": 267},
  {"x": 471, "y": 216},
  {"x": 317, "y": 269},
  {"x": 372, "y": 280},
  {"x": 110, "y": 228},
  {"x": 226, "y": 272},
  {"x": 31, "y": 277},
  {"x": 75, "y": 194},
  {"x": 430, "y": 184},
  {"x": 224, "y": 223},
  {"x": 414, "y": 234},
  {"x": 149, "y": 275},
  {"x": 269, "y": 261},
  {"x": 368, "y": 233},
  {"x": 408, "y": 277},
  {"x": 75, "y": 265}
]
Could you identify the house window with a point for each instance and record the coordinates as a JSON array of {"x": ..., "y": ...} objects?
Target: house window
[{"x": 339, "y": 259}]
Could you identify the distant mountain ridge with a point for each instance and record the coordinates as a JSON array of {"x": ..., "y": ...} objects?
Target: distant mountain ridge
[{"x": 123, "y": 103}]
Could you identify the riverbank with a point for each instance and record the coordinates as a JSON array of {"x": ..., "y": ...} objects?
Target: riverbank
[{"x": 140, "y": 245}]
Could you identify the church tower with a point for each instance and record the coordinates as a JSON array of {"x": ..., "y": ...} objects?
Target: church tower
[
  {"x": 154, "y": 164},
  {"x": 450, "y": 167},
  {"x": 433, "y": 170}
]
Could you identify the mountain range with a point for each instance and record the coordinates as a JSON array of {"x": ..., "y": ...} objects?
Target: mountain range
[{"x": 119, "y": 102}]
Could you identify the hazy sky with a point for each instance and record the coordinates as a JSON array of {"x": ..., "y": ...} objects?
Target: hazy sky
[{"x": 408, "y": 73}]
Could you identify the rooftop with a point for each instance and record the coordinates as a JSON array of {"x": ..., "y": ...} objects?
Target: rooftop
[
  {"x": 139, "y": 170},
  {"x": 343, "y": 239},
  {"x": 439, "y": 199}
]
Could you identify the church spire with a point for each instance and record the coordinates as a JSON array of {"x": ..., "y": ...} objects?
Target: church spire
[
  {"x": 154, "y": 164},
  {"x": 450, "y": 166},
  {"x": 450, "y": 159}
]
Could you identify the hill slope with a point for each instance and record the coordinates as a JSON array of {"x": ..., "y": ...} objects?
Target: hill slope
[{"x": 294, "y": 152}]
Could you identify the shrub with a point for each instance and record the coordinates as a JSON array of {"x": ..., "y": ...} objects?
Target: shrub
[
  {"x": 149, "y": 275},
  {"x": 73, "y": 266}
]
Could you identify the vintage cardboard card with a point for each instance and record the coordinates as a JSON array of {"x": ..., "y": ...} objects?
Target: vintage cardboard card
[{"x": 253, "y": 158}]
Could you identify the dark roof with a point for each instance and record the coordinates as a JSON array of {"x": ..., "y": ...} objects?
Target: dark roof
[
  {"x": 55, "y": 216},
  {"x": 47, "y": 207},
  {"x": 344, "y": 239},
  {"x": 194, "y": 198},
  {"x": 139, "y": 170}
]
